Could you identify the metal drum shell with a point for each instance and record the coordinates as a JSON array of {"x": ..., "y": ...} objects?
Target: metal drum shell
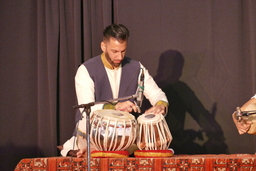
[{"x": 112, "y": 130}]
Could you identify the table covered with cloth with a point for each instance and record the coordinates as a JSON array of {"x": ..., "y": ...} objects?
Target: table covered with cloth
[{"x": 207, "y": 162}]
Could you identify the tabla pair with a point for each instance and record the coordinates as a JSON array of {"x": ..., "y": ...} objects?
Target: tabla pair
[{"x": 113, "y": 130}]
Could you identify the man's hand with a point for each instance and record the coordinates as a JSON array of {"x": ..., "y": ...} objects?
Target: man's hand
[
  {"x": 157, "y": 109},
  {"x": 242, "y": 125},
  {"x": 81, "y": 153},
  {"x": 126, "y": 106}
]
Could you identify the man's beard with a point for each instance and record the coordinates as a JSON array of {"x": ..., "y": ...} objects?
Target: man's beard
[{"x": 110, "y": 61}]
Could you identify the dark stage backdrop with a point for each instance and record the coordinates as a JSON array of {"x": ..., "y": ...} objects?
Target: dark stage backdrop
[{"x": 208, "y": 47}]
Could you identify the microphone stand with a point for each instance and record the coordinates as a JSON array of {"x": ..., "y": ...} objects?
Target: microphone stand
[{"x": 87, "y": 110}]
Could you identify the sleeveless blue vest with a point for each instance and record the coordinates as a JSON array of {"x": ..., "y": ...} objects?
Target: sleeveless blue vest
[{"x": 129, "y": 78}]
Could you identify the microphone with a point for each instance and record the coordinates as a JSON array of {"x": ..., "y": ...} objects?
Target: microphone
[
  {"x": 140, "y": 89},
  {"x": 84, "y": 105}
]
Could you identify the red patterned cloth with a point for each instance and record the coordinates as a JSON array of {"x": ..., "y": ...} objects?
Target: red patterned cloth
[{"x": 240, "y": 162}]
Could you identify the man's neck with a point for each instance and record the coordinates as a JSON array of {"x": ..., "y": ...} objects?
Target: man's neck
[{"x": 106, "y": 63}]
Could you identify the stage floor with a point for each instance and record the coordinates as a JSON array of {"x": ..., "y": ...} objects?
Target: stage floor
[{"x": 221, "y": 162}]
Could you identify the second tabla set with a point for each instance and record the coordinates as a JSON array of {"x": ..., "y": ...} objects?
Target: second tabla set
[
  {"x": 113, "y": 133},
  {"x": 249, "y": 114}
]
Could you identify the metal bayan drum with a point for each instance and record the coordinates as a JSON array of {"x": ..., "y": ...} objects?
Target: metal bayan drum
[
  {"x": 112, "y": 130},
  {"x": 154, "y": 133}
]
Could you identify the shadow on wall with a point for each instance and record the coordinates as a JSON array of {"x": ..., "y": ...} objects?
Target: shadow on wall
[{"x": 183, "y": 100}]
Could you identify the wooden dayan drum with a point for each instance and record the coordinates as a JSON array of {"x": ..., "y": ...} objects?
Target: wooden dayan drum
[{"x": 153, "y": 133}]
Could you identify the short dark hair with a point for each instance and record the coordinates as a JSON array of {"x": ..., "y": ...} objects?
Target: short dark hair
[{"x": 117, "y": 31}]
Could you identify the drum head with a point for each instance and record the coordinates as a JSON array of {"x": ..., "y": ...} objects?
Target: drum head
[
  {"x": 149, "y": 118},
  {"x": 108, "y": 113}
]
